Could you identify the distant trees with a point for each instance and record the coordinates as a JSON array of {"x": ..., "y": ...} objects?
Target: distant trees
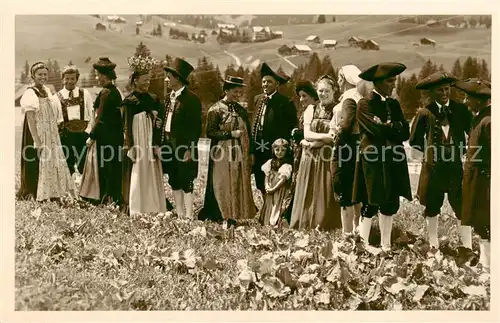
[
  {"x": 206, "y": 79},
  {"x": 411, "y": 99}
]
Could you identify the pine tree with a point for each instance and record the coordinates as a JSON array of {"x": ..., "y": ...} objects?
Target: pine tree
[
  {"x": 485, "y": 72},
  {"x": 230, "y": 71},
  {"x": 25, "y": 75},
  {"x": 313, "y": 68},
  {"x": 428, "y": 69},
  {"x": 55, "y": 76},
  {"x": 240, "y": 72},
  {"x": 399, "y": 84},
  {"x": 254, "y": 87},
  {"x": 487, "y": 22},
  {"x": 288, "y": 88},
  {"x": 409, "y": 97},
  {"x": 142, "y": 50},
  {"x": 327, "y": 67},
  {"x": 470, "y": 68},
  {"x": 457, "y": 69}
]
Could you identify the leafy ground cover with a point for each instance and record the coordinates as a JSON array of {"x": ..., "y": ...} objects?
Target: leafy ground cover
[{"x": 81, "y": 257}]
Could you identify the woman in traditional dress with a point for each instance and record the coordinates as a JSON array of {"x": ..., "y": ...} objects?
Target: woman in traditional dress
[
  {"x": 143, "y": 190},
  {"x": 314, "y": 204},
  {"x": 229, "y": 192},
  {"x": 44, "y": 172},
  {"x": 307, "y": 95},
  {"x": 107, "y": 133}
]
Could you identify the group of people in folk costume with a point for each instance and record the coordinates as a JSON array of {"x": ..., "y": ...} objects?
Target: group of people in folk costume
[{"x": 329, "y": 164}]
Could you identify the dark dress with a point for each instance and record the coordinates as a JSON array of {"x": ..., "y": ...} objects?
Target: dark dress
[
  {"x": 279, "y": 120},
  {"x": 228, "y": 193},
  {"x": 108, "y": 135},
  {"x": 345, "y": 154},
  {"x": 381, "y": 174},
  {"x": 442, "y": 170},
  {"x": 477, "y": 176},
  {"x": 29, "y": 162},
  {"x": 297, "y": 154}
]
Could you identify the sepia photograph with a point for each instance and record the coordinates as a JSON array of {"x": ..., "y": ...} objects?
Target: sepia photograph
[{"x": 252, "y": 162}]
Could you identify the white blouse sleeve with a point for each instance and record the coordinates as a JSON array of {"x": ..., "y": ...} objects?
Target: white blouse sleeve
[
  {"x": 57, "y": 106},
  {"x": 266, "y": 168},
  {"x": 29, "y": 101},
  {"x": 285, "y": 171},
  {"x": 88, "y": 103},
  {"x": 308, "y": 115}
]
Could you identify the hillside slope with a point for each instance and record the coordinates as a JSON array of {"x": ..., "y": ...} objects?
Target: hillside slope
[{"x": 73, "y": 37}]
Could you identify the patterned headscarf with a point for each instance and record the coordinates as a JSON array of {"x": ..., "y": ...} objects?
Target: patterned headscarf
[{"x": 37, "y": 66}]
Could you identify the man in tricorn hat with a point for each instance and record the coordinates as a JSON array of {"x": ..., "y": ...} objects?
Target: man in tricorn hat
[
  {"x": 274, "y": 117},
  {"x": 381, "y": 174},
  {"x": 477, "y": 168},
  {"x": 180, "y": 124},
  {"x": 75, "y": 117},
  {"x": 438, "y": 131}
]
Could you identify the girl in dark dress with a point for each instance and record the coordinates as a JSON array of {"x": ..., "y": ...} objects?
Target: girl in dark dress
[{"x": 107, "y": 133}]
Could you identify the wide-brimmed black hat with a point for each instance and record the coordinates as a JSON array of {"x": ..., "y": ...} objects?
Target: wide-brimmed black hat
[
  {"x": 436, "y": 79},
  {"x": 475, "y": 87},
  {"x": 180, "y": 68},
  {"x": 266, "y": 70},
  {"x": 382, "y": 71},
  {"x": 104, "y": 64},
  {"x": 308, "y": 87},
  {"x": 234, "y": 80}
]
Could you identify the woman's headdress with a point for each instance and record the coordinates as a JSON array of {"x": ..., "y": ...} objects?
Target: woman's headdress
[{"x": 140, "y": 65}]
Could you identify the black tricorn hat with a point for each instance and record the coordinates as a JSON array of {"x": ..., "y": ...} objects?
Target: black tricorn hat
[
  {"x": 382, "y": 71},
  {"x": 474, "y": 87},
  {"x": 238, "y": 81},
  {"x": 180, "y": 68},
  {"x": 104, "y": 64},
  {"x": 266, "y": 70},
  {"x": 308, "y": 87},
  {"x": 436, "y": 79}
]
